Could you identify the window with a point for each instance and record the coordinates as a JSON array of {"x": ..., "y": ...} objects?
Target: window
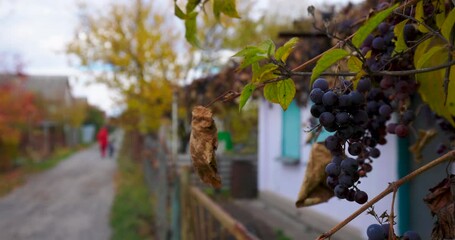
[{"x": 291, "y": 134}]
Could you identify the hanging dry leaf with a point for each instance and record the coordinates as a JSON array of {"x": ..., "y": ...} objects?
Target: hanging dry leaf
[
  {"x": 203, "y": 143},
  {"x": 441, "y": 203},
  {"x": 423, "y": 139},
  {"x": 314, "y": 189}
]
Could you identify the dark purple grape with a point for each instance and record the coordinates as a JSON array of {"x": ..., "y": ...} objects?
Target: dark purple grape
[
  {"x": 316, "y": 110},
  {"x": 388, "y": 38},
  {"x": 441, "y": 149},
  {"x": 331, "y": 128},
  {"x": 402, "y": 130},
  {"x": 367, "y": 167},
  {"x": 331, "y": 182},
  {"x": 365, "y": 50},
  {"x": 341, "y": 191},
  {"x": 351, "y": 195},
  {"x": 337, "y": 160},
  {"x": 342, "y": 118},
  {"x": 332, "y": 170},
  {"x": 386, "y": 82},
  {"x": 329, "y": 99},
  {"x": 372, "y": 108},
  {"x": 345, "y": 133},
  {"x": 346, "y": 180},
  {"x": 344, "y": 101},
  {"x": 385, "y": 110},
  {"x": 356, "y": 98},
  {"x": 391, "y": 127},
  {"x": 411, "y": 235},
  {"x": 355, "y": 149},
  {"x": 383, "y": 27},
  {"x": 316, "y": 95},
  {"x": 327, "y": 119},
  {"x": 375, "y": 232},
  {"x": 332, "y": 143},
  {"x": 360, "y": 117},
  {"x": 375, "y": 153},
  {"x": 402, "y": 87},
  {"x": 409, "y": 32},
  {"x": 349, "y": 165},
  {"x": 376, "y": 94},
  {"x": 361, "y": 197},
  {"x": 368, "y": 40},
  {"x": 364, "y": 85},
  {"x": 386, "y": 228},
  {"x": 378, "y": 43},
  {"x": 321, "y": 83},
  {"x": 408, "y": 117}
]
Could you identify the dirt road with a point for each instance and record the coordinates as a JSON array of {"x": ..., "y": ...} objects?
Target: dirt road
[{"x": 70, "y": 201}]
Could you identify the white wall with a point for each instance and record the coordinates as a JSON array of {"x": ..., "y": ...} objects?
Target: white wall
[{"x": 285, "y": 180}]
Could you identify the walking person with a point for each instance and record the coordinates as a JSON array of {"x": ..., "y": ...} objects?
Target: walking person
[{"x": 102, "y": 137}]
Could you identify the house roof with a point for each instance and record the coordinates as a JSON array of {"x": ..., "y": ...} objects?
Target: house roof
[{"x": 49, "y": 87}]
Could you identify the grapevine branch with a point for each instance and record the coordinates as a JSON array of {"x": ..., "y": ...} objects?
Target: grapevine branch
[{"x": 450, "y": 156}]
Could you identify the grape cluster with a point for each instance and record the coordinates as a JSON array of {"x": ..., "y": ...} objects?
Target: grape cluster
[
  {"x": 381, "y": 232},
  {"x": 358, "y": 118}
]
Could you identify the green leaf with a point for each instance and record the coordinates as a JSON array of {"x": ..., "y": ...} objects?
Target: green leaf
[
  {"x": 400, "y": 43},
  {"x": 431, "y": 83},
  {"x": 191, "y": 29},
  {"x": 271, "y": 92},
  {"x": 191, "y": 5},
  {"x": 227, "y": 7},
  {"x": 283, "y": 52},
  {"x": 267, "y": 46},
  {"x": 250, "y": 60},
  {"x": 255, "y": 68},
  {"x": 265, "y": 70},
  {"x": 249, "y": 51},
  {"x": 246, "y": 94},
  {"x": 451, "y": 93},
  {"x": 370, "y": 25},
  {"x": 441, "y": 16},
  {"x": 286, "y": 92},
  {"x": 178, "y": 11},
  {"x": 421, "y": 49},
  {"x": 447, "y": 26},
  {"x": 354, "y": 64},
  {"x": 328, "y": 59},
  {"x": 419, "y": 15}
]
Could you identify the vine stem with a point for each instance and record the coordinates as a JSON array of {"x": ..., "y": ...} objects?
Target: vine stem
[
  {"x": 450, "y": 156},
  {"x": 307, "y": 63},
  {"x": 392, "y": 215}
]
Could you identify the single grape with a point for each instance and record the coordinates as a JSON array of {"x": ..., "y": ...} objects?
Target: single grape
[
  {"x": 364, "y": 85},
  {"x": 375, "y": 232},
  {"x": 378, "y": 43},
  {"x": 355, "y": 149},
  {"x": 368, "y": 40},
  {"x": 376, "y": 94},
  {"x": 386, "y": 82},
  {"x": 408, "y": 117},
  {"x": 411, "y": 235},
  {"x": 342, "y": 118},
  {"x": 345, "y": 180},
  {"x": 391, "y": 127},
  {"x": 383, "y": 27},
  {"x": 402, "y": 87},
  {"x": 344, "y": 101},
  {"x": 367, "y": 167},
  {"x": 332, "y": 182},
  {"x": 329, "y": 99},
  {"x": 441, "y": 148},
  {"x": 375, "y": 153},
  {"x": 337, "y": 160},
  {"x": 332, "y": 169},
  {"x": 341, "y": 191},
  {"x": 345, "y": 133},
  {"x": 316, "y": 95},
  {"x": 401, "y": 130},
  {"x": 351, "y": 195},
  {"x": 409, "y": 32},
  {"x": 385, "y": 110},
  {"x": 372, "y": 108},
  {"x": 386, "y": 228},
  {"x": 361, "y": 197},
  {"x": 316, "y": 110},
  {"x": 349, "y": 165},
  {"x": 356, "y": 98},
  {"x": 332, "y": 143},
  {"x": 321, "y": 83},
  {"x": 327, "y": 119}
]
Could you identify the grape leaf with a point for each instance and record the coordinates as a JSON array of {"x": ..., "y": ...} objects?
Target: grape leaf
[
  {"x": 246, "y": 94},
  {"x": 441, "y": 15},
  {"x": 431, "y": 83},
  {"x": 249, "y": 51},
  {"x": 451, "y": 92},
  {"x": 419, "y": 15},
  {"x": 328, "y": 59},
  {"x": 270, "y": 92},
  {"x": 354, "y": 64},
  {"x": 421, "y": 49},
  {"x": 191, "y": 29},
  {"x": 286, "y": 92},
  {"x": 268, "y": 47},
  {"x": 400, "y": 43},
  {"x": 226, "y": 7},
  {"x": 370, "y": 25},
  {"x": 447, "y": 26},
  {"x": 250, "y": 60},
  {"x": 283, "y": 52},
  {"x": 264, "y": 71}
]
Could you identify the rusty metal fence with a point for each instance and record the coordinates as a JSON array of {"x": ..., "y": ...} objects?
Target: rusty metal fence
[{"x": 182, "y": 210}]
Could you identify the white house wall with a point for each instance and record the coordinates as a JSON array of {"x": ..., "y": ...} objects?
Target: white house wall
[{"x": 285, "y": 180}]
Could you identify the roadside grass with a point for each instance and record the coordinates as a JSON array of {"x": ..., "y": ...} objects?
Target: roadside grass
[
  {"x": 16, "y": 177},
  {"x": 132, "y": 211}
]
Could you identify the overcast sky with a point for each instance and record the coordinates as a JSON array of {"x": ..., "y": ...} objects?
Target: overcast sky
[{"x": 37, "y": 31}]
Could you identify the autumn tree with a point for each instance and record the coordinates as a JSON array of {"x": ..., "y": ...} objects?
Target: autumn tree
[{"x": 136, "y": 46}]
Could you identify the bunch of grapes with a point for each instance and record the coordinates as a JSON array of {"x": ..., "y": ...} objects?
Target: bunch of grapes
[{"x": 381, "y": 232}]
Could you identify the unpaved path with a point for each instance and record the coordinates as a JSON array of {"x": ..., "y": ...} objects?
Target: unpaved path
[{"x": 70, "y": 201}]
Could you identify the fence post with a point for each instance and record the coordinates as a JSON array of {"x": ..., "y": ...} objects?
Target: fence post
[
  {"x": 176, "y": 210},
  {"x": 184, "y": 202}
]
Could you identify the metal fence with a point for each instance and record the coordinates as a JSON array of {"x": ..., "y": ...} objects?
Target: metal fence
[{"x": 182, "y": 210}]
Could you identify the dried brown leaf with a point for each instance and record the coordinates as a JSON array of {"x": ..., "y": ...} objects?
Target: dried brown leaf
[
  {"x": 422, "y": 140},
  {"x": 203, "y": 144}
]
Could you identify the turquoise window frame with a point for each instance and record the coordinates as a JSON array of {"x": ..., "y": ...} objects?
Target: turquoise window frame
[{"x": 291, "y": 134}]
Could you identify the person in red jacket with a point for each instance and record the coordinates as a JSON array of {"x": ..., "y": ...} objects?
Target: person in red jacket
[{"x": 102, "y": 137}]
